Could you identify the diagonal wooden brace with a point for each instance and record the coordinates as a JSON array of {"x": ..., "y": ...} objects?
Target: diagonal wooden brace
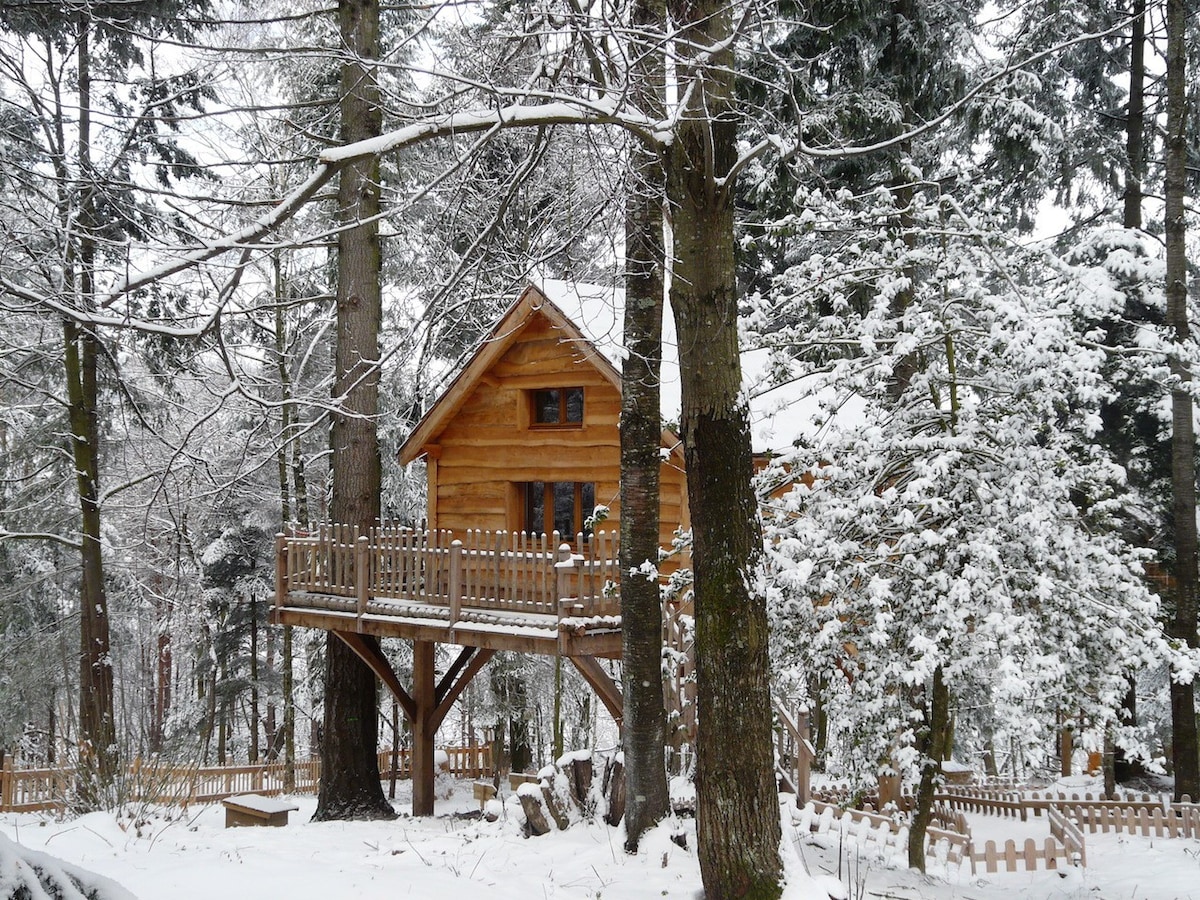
[
  {"x": 606, "y": 689},
  {"x": 367, "y": 649}
]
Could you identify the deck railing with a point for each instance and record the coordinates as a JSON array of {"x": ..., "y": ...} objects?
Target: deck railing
[{"x": 484, "y": 570}]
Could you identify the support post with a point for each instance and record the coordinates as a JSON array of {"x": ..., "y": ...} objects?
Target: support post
[
  {"x": 423, "y": 729},
  {"x": 362, "y": 574},
  {"x": 456, "y": 582},
  {"x": 804, "y": 757},
  {"x": 563, "y": 570},
  {"x": 281, "y": 570}
]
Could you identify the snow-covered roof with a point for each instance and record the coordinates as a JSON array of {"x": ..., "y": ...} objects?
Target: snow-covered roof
[{"x": 784, "y": 407}]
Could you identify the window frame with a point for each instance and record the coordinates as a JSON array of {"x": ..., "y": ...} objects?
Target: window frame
[
  {"x": 579, "y": 512},
  {"x": 563, "y": 405}
]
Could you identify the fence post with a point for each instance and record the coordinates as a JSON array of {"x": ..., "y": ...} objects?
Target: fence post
[
  {"x": 362, "y": 572},
  {"x": 281, "y": 569},
  {"x": 563, "y": 570},
  {"x": 455, "y": 562}
]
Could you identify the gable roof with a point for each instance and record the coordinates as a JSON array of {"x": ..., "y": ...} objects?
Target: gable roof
[
  {"x": 533, "y": 301},
  {"x": 784, "y": 406}
]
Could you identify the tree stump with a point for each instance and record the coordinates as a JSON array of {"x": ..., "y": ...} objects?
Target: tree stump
[
  {"x": 535, "y": 816},
  {"x": 615, "y": 791},
  {"x": 556, "y": 810},
  {"x": 580, "y": 773}
]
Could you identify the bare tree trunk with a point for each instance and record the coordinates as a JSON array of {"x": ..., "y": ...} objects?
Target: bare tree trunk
[
  {"x": 350, "y": 784},
  {"x": 738, "y": 829},
  {"x": 1185, "y": 746},
  {"x": 644, "y": 728},
  {"x": 295, "y": 471},
  {"x": 254, "y": 719},
  {"x": 97, "y": 726}
]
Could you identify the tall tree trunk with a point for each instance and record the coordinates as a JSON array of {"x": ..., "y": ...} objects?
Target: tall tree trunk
[
  {"x": 738, "y": 830},
  {"x": 1185, "y": 747},
  {"x": 254, "y": 717},
  {"x": 644, "y": 727},
  {"x": 1117, "y": 766},
  {"x": 932, "y": 744},
  {"x": 287, "y": 438},
  {"x": 350, "y": 784},
  {"x": 97, "y": 727}
]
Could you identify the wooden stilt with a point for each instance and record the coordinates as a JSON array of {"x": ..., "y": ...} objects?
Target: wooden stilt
[{"x": 424, "y": 700}]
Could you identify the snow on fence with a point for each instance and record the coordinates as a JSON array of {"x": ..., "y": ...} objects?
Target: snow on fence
[
  {"x": 864, "y": 827},
  {"x": 1179, "y": 820},
  {"x": 462, "y": 762},
  {"x": 1067, "y": 831},
  {"x": 984, "y": 800},
  {"x": 944, "y": 843},
  {"x": 498, "y": 571},
  {"x": 154, "y": 781},
  {"x": 1029, "y": 857}
]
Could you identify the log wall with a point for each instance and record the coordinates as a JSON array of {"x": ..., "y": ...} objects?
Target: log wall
[{"x": 488, "y": 449}]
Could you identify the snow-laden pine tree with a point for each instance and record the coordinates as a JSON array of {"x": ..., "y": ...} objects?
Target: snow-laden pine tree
[{"x": 945, "y": 560}]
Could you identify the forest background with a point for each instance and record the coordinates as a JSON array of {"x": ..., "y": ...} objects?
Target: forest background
[{"x": 1003, "y": 523}]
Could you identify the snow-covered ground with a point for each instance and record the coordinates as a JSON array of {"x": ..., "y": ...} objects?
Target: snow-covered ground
[{"x": 197, "y": 858}]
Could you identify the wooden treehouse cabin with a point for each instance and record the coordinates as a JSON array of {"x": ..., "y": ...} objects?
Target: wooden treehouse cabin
[{"x": 519, "y": 450}]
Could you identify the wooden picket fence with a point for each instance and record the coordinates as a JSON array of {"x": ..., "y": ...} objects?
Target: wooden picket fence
[
  {"x": 1031, "y": 856},
  {"x": 464, "y": 762},
  {"x": 158, "y": 782},
  {"x": 868, "y": 827},
  {"x": 153, "y": 781},
  {"x": 1177, "y": 821},
  {"x": 1008, "y": 804}
]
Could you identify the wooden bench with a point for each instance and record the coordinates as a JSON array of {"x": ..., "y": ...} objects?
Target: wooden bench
[
  {"x": 252, "y": 809},
  {"x": 484, "y": 791},
  {"x": 516, "y": 779}
]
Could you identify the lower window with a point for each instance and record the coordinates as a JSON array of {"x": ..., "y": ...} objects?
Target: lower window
[{"x": 560, "y": 506}]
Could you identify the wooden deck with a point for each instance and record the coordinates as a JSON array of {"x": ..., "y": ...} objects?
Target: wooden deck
[{"x": 488, "y": 590}]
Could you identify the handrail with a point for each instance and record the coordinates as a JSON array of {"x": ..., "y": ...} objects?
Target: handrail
[{"x": 497, "y": 571}]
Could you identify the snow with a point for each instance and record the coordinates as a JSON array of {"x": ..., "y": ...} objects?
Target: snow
[
  {"x": 193, "y": 857},
  {"x": 782, "y": 409},
  {"x": 267, "y": 805}
]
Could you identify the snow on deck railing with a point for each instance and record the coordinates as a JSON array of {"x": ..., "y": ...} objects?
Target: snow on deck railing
[{"x": 505, "y": 571}]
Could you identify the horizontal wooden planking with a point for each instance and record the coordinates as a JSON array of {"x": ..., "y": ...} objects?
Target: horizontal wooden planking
[
  {"x": 541, "y": 346},
  {"x": 461, "y": 518},
  {"x": 518, "y": 468},
  {"x": 458, "y": 439},
  {"x": 489, "y": 492},
  {"x": 579, "y": 375}
]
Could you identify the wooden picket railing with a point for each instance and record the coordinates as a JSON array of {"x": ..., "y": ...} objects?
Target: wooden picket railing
[
  {"x": 498, "y": 572},
  {"x": 464, "y": 762},
  {"x": 948, "y": 843},
  {"x": 1030, "y": 856},
  {"x": 155, "y": 781},
  {"x": 1178, "y": 820}
]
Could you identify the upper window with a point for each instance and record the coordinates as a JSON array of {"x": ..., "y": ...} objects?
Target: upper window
[{"x": 557, "y": 406}]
